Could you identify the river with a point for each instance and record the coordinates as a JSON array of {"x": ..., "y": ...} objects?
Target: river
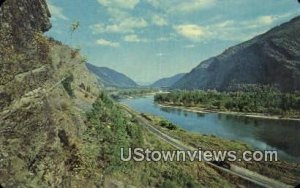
[{"x": 261, "y": 134}]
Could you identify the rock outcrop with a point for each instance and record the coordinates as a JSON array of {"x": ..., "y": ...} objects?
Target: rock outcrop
[
  {"x": 269, "y": 59},
  {"x": 19, "y": 20},
  {"x": 45, "y": 90},
  {"x": 23, "y": 48}
]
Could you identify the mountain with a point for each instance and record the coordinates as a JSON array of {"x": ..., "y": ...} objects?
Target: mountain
[
  {"x": 272, "y": 58},
  {"x": 167, "y": 82},
  {"x": 111, "y": 78}
]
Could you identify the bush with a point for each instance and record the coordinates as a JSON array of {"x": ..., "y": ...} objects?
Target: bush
[
  {"x": 67, "y": 85},
  {"x": 168, "y": 125}
]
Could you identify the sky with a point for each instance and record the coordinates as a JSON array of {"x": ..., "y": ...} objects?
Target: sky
[{"x": 151, "y": 39}]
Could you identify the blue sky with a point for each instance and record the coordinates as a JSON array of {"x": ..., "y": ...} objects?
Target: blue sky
[{"x": 151, "y": 39}]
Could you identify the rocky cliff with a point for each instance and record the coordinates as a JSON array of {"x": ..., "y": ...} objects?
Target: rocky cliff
[
  {"x": 272, "y": 58},
  {"x": 45, "y": 90},
  {"x": 19, "y": 20}
]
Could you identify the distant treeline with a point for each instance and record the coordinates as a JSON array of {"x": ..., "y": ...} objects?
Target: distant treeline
[
  {"x": 257, "y": 100},
  {"x": 131, "y": 92}
]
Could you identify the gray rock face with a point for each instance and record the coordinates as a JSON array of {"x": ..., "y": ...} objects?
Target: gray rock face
[
  {"x": 269, "y": 59},
  {"x": 22, "y": 47},
  {"x": 38, "y": 118},
  {"x": 19, "y": 20}
]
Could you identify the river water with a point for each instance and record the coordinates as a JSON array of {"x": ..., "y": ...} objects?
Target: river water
[{"x": 261, "y": 134}]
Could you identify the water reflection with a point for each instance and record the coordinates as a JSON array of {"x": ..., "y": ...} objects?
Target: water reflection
[{"x": 263, "y": 134}]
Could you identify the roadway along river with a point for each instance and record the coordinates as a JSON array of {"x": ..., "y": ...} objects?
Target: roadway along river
[{"x": 261, "y": 134}]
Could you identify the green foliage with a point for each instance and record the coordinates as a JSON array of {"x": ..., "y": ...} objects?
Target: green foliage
[
  {"x": 132, "y": 92},
  {"x": 167, "y": 125},
  {"x": 67, "y": 85},
  {"x": 109, "y": 129},
  {"x": 74, "y": 27},
  {"x": 258, "y": 100},
  {"x": 112, "y": 131}
]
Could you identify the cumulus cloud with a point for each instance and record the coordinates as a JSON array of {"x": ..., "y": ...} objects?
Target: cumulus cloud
[
  {"x": 159, "y": 21},
  {"x": 56, "y": 12},
  {"x": 122, "y": 4},
  {"x": 175, "y": 6},
  {"x": 128, "y": 25},
  {"x": 265, "y": 20},
  {"x": 104, "y": 42},
  {"x": 192, "y": 31},
  {"x": 229, "y": 30},
  {"x": 118, "y": 14},
  {"x": 134, "y": 38},
  {"x": 193, "y": 5}
]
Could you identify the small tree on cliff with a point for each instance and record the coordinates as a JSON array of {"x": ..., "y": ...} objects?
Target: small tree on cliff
[{"x": 74, "y": 27}]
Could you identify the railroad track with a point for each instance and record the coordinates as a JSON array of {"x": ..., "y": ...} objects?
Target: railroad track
[{"x": 234, "y": 170}]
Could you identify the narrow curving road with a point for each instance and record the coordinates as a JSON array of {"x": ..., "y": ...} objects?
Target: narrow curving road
[{"x": 243, "y": 173}]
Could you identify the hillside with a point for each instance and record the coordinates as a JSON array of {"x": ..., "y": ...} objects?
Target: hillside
[
  {"x": 111, "y": 78},
  {"x": 41, "y": 103},
  {"x": 57, "y": 128},
  {"x": 272, "y": 58},
  {"x": 167, "y": 82}
]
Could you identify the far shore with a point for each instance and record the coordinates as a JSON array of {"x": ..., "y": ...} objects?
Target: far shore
[{"x": 251, "y": 115}]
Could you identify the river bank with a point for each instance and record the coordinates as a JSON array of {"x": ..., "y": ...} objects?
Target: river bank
[
  {"x": 212, "y": 143},
  {"x": 256, "y": 132},
  {"x": 250, "y": 115}
]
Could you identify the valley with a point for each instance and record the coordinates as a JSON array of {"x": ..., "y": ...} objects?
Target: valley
[{"x": 64, "y": 121}]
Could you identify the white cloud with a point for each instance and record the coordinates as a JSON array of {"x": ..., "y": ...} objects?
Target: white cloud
[
  {"x": 122, "y": 4},
  {"x": 192, "y": 31},
  {"x": 227, "y": 30},
  {"x": 230, "y": 30},
  {"x": 225, "y": 24},
  {"x": 57, "y": 12},
  {"x": 159, "y": 21},
  {"x": 128, "y": 25},
  {"x": 104, "y": 42},
  {"x": 118, "y": 14},
  {"x": 193, "y": 5},
  {"x": 134, "y": 38},
  {"x": 176, "y": 6},
  {"x": 259, "y": 22},
  {"x": 266, "y": 20}
]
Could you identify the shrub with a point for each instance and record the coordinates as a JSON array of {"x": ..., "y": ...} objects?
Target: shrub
[{"x": 67, "y": 85}]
